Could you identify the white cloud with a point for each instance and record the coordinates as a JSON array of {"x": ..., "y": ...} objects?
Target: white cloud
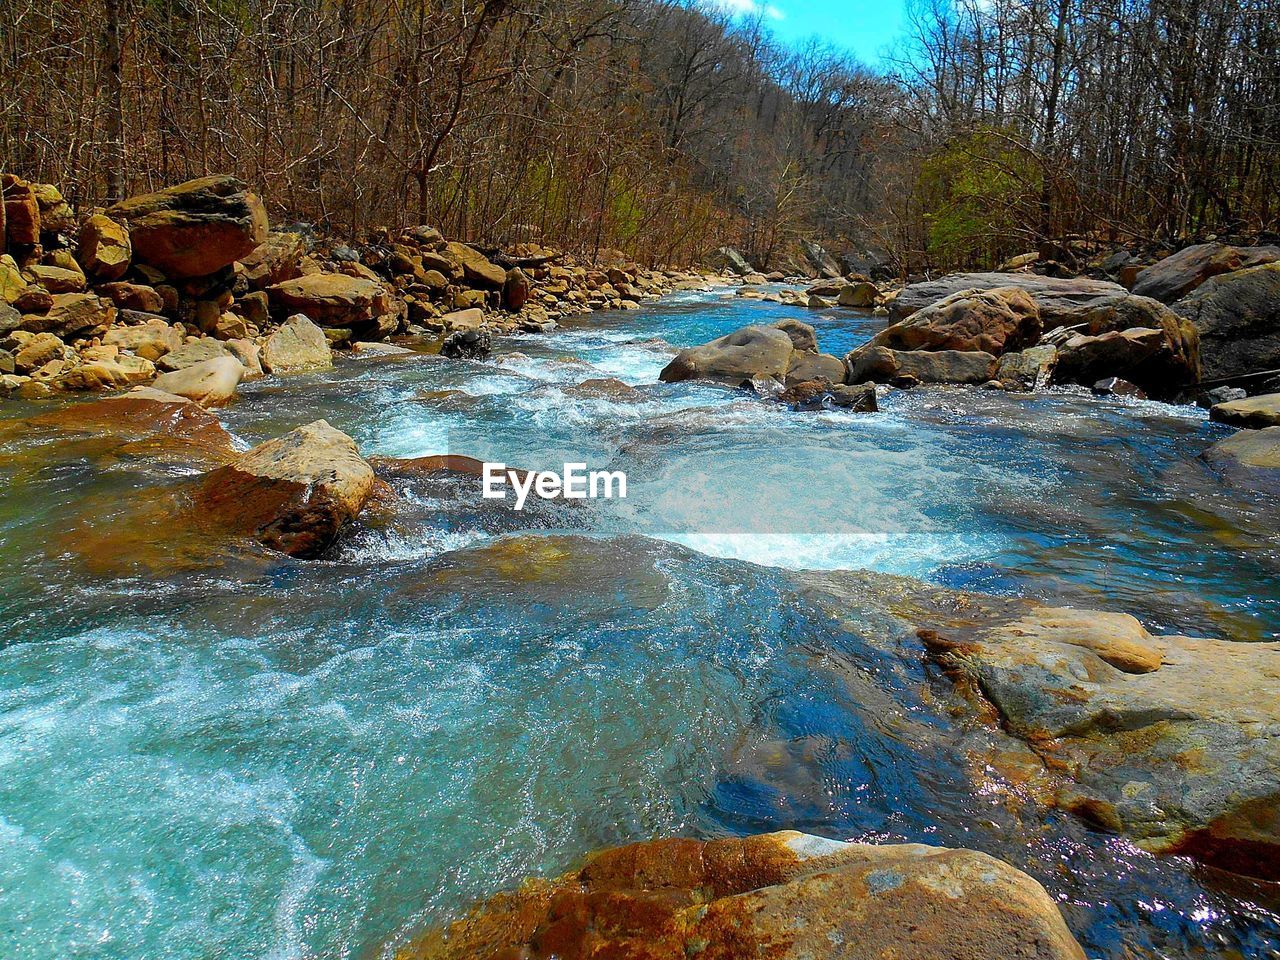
[{"x": 748, "y": 8}]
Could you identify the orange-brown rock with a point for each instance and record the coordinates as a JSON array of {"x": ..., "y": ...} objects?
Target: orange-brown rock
[
  {"x": 780, "y": 896},
  {"x": 990, "y": 321},
  {"x": 21, "y": 211},
  {"x": 105, "y": 250},
  {"x": 331, "y": 299},
  {"x": 293, "y": 493},
  {"x": 195, "y": 228}
]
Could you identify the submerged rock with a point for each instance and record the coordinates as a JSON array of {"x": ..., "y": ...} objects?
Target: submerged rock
[
  {"x": 1169, "y": 739},
  {"x": 293, "y": 493},
  {"x": 1249, "y": 460},
  {"x": 784, "y": 896}
]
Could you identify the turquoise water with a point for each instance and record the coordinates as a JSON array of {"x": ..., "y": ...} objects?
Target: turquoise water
[{"x": 266, "y": 758}]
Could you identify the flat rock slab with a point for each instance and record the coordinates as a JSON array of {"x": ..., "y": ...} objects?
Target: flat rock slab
[
  {"x": 1173, "y": 740},
  {"x": 1055, "y": 297},
  {"x": 784, "y": 896},
  {"x": 1253, "y": 412}
]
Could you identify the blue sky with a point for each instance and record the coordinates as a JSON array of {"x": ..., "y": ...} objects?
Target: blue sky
[{"x": 866, "y": 27}]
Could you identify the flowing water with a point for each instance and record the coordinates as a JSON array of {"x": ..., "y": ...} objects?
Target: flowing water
[{"x": 267, "y": 758}]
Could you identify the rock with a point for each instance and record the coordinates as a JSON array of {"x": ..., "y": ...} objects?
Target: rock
[
  {"x": 74, "y": 315},
  {"x": 470, "y": 344},
  {"x": 815, "y": 366},
  {"x": 12, "y": 283},
  {"x": 21, "y": 211},
  {"x": 803, "y": 337},
  {"x": 1254, "y": 412},
  {"x": 742, "y": 355},
  {"x": 862, "y": 294},
  {"x": 784, "y": 896},
  {"x": 877, "y": 364},
  {"x": 727, "y": 258},
  {"x": 296, "y": 346},
  {"x": 1249, "y": 460},
  {"x": 58, "y": 280},
  {"x": 1169, "y": 739},
  {"x": 151, "y": 340},
  {"x": 1115, "y": 387},
  {"x": 196, "y": 228},
  {"x": 816, "y": 302},
  {"x": 1176, "y": 276},
  {"x": 1028, "y": 369},
  {"x": 1237, "y": 316},
  {"x": 515, "y": 289},
  {"x": 228, "y": 326},
  {"x": 821, "y": 261},
  {"x": 104, "y": 248},
  {"x": 250, "y": 356},
  {"x": 1217, "y": 395},
  {"x": 469, "y": 319},
  {"x": 134, "y": 296},
  {"x": 123, "y": 371},
  {"x": 476, "y": 266},
  {"x": 332, "y": 299},
  {"x": 1163, "y": 362},
  {"x": 37, "y": 351},
  {"x": 360, "y": 348},
  {"x": 277, "y": 259},
  {"x": 189, "y": 354},
  {"x": 1054, "y": 296},
  {"x": 991, "y": 321},
  {"x": 293, "y": 493},
  {"x": 56, "y": 216},
  {"x": 208, "y": 383}
]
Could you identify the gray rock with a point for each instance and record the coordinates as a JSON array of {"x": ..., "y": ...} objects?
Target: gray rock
[
  {"x": 1176, "y": 276},
  {"x": 1238, "y": 318},
  {"x": 734, "y": 358},
  {"x": 1056, "y": 297}
]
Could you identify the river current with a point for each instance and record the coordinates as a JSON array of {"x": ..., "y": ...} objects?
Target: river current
[{"x": 269, "y": 758}]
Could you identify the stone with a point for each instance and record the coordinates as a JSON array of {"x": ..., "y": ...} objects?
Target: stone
[
  {"x": 472, "y": 344},
  {"x": 191, "y": 353},
  {"x": 294, "y": 493},
  {"x": 469, "y": 319},
  {"x": 250, "y": 356},
  {"x": 331, "y": 299},
  {"x": 21, "y": 211},
  {"x": 815, "y": 366},
  {"x": 123, "y": 371},
  {"x": 58, "y": 280},
  {"x": 1216, "y": 395},
  {"x": 195, "y": 228},
  {"x": 151, "y": 340},
  {"x": 1169, "y": 739},
  {"x": 1163, "y": 362},
  {"x": 56, "y": 215},
  {"x": 255, "y": 307},
  {"x": 134, "y": 296},
  {"x": 476, "y": 267},
  {"x": 1254, "y": 412},
  {"x": 208, "y": 383},
  {"x": 277, "y": 259},
  {"x": 515, "y": 289},
  {"x": 990, "y": 321},
  {"x": 782, "y": 896},
  {"x": 803, "y": 337},
  {"x": 228, "y": 326},
  {"x": 727, "y": 258},
  {"x": 12, "y": 283},
  {"x": 1176, "y": 276},
  {"x": 1237, "y": 316},
  {"x": 1116, "y": 387},
  {"x": 877, "y": 364},
  {"x": 74, "y": 315},
  {"x": 297, "y": 345},
  {"x": 1053, "y": 295},
  {"x": 104, "y": 248},
  {"x": 1028, "y": 369},
  {"x": 862, "y": 294},
  {"x": 743, "y": 355},
  {"x": 37, "y": 351},
  {"x": 1248, "y": 460}
]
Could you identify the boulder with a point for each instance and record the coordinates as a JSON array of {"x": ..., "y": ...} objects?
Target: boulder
[
  {"x": 1248, "y": 460},
  {"x": 189, "y": 354},
  {"x": 277, "y": 259},
  {"x": 208, "y": 383},
  {"x": 134, "y": 296},
  {"x": 861, "y": 294},
  {"x": 470, "y": 319},
  {"x": 515, "y": 289},
  {"x": 58, "y": 279},
  {"x": 815, "y": 366},
  {"x": 877, "y": 364},
  {"x": 36, "y": 351},
  {"x": 476, "y": 267},
  {"x": 1176, "y": 276},
  {"x": 736, "y": 357},
  {"x": 104, "y": 248},
  {"x": 467, "y": 344},
  {"x": 74, "y": 315},
  {"x": 293, "y": 493},
  {"x": 730, "y": 260},
  {"x": 21, "y": 211},
  {"x": 782, "y": 896},
  {"x": 803, "y": 337},
  {"x": 990, "y": 321},
  {"x": 1028, "y": 369},
  {"x": 1253, "y": 412},
  {"x": 1237, "y": 316},
  {"x": 106, "y": 374},
  {"x": 822, "y": 262},
  {"x": 56, "y": 216},
  {"x": 1169, "y": 739},
  {"x": 195, "y": 228},
  {"x": 1163, "y": 362},
  {"x": 331, "y": 299},
  {"x": 12, "y": 283},
  {"x": 296, "y": 346},
  {"x": 250, "y": 356},
  {"x": 1054, "y": 296}
]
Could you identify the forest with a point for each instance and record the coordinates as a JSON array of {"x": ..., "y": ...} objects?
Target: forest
[{"x": 666, "y": 128}]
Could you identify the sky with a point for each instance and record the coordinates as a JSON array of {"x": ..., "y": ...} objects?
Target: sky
[{"x": 865, "y": 27}]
